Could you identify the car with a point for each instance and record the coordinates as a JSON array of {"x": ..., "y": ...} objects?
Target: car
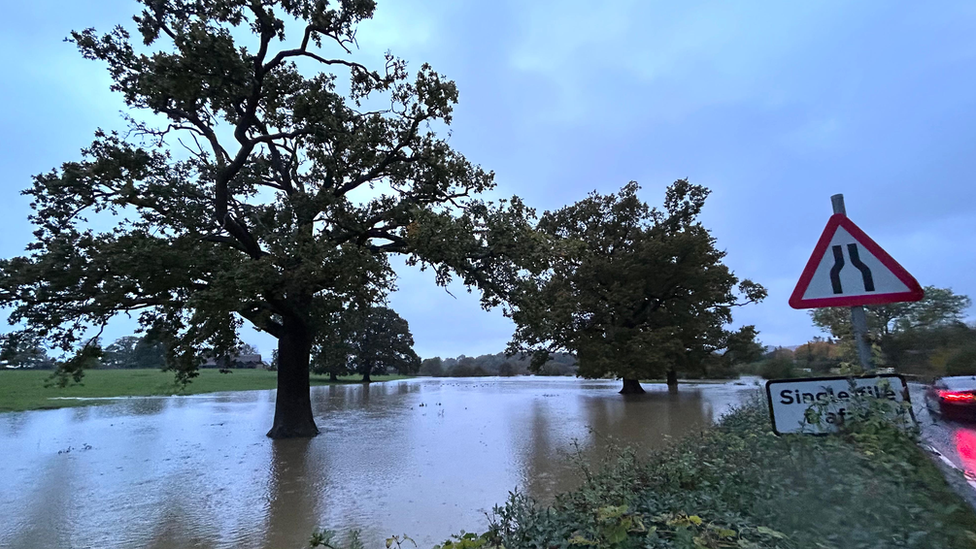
[{"x": 952, "y": 397}]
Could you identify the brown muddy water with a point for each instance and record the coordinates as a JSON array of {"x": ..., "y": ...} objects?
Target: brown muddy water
[{"x": 422, "y": 457}]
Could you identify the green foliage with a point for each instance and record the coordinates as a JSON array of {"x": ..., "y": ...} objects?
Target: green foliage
[
  {"x": 962, "y": 362},
  {"x": 819, "y": 355},
  {"x": 382, "y": 341},
  {"x": 632, "y": 291},
  {"x": 134, "y": 352},
  {"x": 500, "y": 364},
  {"x": 777, "y": 367},
  {"x": 939, "y": 307},
  {"x": 327, "y": 539},
  {"x": 24, "y": 350},
  {"x": 465, "y": 540},
  {"x": 332, "y": 349},
  {"x": 466, "y": 367},
  {"x": 918, "y": 337},
  {"x": 367, "y": 341},
  {"x": 899, "y": 327},
  {"x": 880, "y": 424},
  {"x": 73, "y": 368},
  {"x": 738, "y": 485},
  {"x": 928, "y": 351},
  {"x": 432, "y": 367}
]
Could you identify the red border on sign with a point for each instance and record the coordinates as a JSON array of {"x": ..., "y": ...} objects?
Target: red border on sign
[{"x": 914, "y": 292}]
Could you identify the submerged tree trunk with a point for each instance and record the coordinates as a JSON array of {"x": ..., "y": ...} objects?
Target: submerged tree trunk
[
  {"x": 293, "y": 404},
  {"x": 672, "y": 380},
  {"x": 632, "y": 387},
  {"x": 366, "y": 372}
]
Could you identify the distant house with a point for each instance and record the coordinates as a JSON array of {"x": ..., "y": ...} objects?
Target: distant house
[{"x": 234, "y": 361}]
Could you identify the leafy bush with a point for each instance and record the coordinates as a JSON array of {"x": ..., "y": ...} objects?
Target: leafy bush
[
  {"x": 962, "y": 362},
  {"x": 777, "y": 367}
]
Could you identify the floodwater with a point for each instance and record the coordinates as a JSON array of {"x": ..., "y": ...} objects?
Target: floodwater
[{"x": 422, "y": 457}]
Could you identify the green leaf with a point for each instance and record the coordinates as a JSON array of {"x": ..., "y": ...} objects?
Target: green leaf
[{"x": 770, "y": 532}]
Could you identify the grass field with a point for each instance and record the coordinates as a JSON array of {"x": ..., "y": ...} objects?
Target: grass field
[{"x": 25, "y": 389}]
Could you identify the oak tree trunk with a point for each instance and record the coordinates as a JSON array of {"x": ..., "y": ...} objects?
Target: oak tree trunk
[
  {"x": 632, "y": 387},
  {"x": 293, "y": 404},
  {"x": 672, "y": 380},
  {"x": 366, "y": 372},
  {"x": 333, "y": 376}
]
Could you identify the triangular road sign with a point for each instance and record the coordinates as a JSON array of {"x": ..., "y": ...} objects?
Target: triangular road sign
[{"x": 848, "y": 269}]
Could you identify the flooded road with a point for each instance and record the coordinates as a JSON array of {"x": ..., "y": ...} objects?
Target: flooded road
[
  {"x": 423, "y": 457},
  {"x": 952, "y": 441}
]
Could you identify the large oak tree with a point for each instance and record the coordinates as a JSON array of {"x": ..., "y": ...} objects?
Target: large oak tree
[
  {"x": 635, "y": 292},
  {"x": 254, "y": 184}
]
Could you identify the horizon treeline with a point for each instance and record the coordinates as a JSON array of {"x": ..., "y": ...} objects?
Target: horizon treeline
[{"x": 498, "y": 364}]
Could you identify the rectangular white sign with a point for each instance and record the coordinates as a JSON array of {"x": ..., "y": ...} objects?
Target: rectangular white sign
[{"x": 789, "y": 400}]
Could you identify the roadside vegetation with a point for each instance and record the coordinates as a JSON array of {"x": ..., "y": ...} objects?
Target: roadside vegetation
[
  {"x": 31, "y": 389},
  {"x": 927, "y": 339},
  {"x": 739, "y": 485}
]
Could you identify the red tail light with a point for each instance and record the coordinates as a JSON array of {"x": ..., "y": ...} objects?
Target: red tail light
[{"x": 957, "y": 396}]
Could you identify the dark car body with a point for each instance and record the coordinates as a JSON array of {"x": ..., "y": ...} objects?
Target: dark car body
[{"x": 953, "y": 397}]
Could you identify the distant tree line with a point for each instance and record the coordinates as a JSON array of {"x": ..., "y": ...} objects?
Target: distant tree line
[
  {"x": 22, "y": 350},
  {"x": 127, "y": 352},
  {"x": 134, "y": 352},
  {"x": 559, "y": 364}
]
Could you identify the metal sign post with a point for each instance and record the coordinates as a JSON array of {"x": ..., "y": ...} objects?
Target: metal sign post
[{"x": 859, "y": 320}]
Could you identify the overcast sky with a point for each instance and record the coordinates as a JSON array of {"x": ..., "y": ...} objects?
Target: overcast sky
[{"x": 775, "y": 106}]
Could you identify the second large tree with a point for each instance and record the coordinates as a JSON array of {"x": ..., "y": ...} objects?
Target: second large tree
[{"x": 635, "y": 292}]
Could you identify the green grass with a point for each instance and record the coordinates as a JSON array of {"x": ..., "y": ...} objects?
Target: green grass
[{"x": 25, "y": 389}]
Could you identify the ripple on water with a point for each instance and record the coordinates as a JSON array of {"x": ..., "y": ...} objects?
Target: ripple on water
[{"x": 425, "y": 457}]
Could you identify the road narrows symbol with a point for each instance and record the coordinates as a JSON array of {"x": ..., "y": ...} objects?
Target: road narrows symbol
[
  {"x": 865, "y": 271},
  {"x": 825, "y": 283},
  {"x": 835, "y": 270}
]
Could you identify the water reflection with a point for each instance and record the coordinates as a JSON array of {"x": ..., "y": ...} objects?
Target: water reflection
[
  {"x": 16, "y": 422},
  {"x": 536, "y": 447},
  {"x": 151, "y": 406},
  {"x": 37, "y": 524},
  {"x": 965, "y": 441},
  {"x": 293, "y": 485},
  {"x": 423, "y": 457},
  {"x": 565, "y": 432},
  {"x": 646, "y": 419}
]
